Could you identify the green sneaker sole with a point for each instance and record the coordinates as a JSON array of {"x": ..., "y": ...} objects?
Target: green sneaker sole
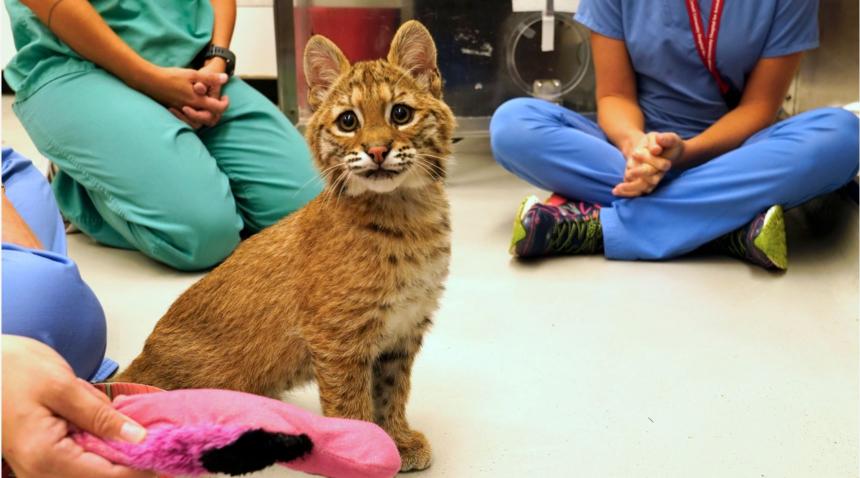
[
  {"x": 771, "y": 240},
  {"x": 519, "y": 228}
]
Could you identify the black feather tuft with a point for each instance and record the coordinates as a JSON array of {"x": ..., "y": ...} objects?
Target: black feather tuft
[{"x": 254, "y": 451}]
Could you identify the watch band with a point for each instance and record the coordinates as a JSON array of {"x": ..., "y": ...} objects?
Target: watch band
[{"x": 221, "y": 52}]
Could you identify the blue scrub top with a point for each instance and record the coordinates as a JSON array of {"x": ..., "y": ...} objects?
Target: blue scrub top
[
  {"x": 676, "y": 91},
  {"x": 43, "y": 295}
]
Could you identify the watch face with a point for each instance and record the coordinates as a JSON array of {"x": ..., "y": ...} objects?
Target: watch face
[{"x": 228, "y": 56}]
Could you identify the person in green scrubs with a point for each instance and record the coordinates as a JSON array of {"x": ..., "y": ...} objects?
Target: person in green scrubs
[{"x": 156, "y": 151}]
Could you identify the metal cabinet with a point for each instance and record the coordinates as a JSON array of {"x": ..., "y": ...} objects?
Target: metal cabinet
[
  {"x": 486, "y": 52},
  {"x": 829, "y": 76}
]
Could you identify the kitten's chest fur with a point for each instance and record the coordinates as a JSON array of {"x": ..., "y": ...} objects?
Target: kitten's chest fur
[
  {"x": 378, "y": 261},
  {"x": 410, "y": 240},
  {"x": 419, "y": 275}
]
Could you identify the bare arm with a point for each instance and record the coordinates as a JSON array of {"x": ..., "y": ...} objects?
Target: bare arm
[
  {"x": 618, "y": 111},
  {"x": 225, "y": 21},
  {"x": 222, "y": 31},
  {"x": 81, "y": 27},
  {"x": 761, "y": 100},
  {"x": 222, "y": 34}
]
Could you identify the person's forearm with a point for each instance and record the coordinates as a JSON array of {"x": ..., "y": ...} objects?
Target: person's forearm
[
  {"x": 622, "y": 121},
  {"x": 81, "y": 27},
  {"x": 728, "y": 133},
  {"x": 225, "y": 21},
  {"x": 618, "y": 111},
  {"x": 763, "y": 95},
  {"x": 15, "y": 229}
]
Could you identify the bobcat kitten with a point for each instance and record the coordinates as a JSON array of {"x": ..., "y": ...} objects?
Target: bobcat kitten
[{"x": 342, "y": 291}]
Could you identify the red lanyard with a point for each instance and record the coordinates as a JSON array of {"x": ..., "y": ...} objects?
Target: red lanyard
[{"x": 707, "y": 43}]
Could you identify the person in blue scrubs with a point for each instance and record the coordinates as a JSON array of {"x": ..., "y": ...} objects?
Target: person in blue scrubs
[
  {"x": 53, "y": 343},
  {"x": 674, "y": 161},
  {"x": 44, "y": 296}
]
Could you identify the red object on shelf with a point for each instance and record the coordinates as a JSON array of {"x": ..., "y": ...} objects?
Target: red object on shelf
[{"x": 361, "y": 33}]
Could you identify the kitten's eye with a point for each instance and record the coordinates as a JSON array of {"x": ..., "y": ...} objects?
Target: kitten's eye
[
  {"x": 401, "y": 114},
  {"x": 347, "y": 121}
]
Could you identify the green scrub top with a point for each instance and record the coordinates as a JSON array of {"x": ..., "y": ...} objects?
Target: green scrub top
[{"x": 166, "y": 33}]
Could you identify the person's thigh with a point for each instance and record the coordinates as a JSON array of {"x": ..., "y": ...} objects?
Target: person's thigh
[
  {"x": 265, "y": 157},
  {"x": 131, "y": 173},
  {"x": 44, "y": 298},
  {"x": 556, "y": 149},
  {"x": 818, "y": 150},
  {"x": 788, "y": 164},
  {"x": 30, "y": 193}
]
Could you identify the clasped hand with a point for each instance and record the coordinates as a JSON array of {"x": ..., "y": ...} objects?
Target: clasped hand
[
  {"x": 648, "y": 163},
  {"x": 193, "y": 96}
]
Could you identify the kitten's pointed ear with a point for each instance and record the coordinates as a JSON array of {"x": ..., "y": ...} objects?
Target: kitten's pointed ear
[
  {"x": 323, "y": 64},
  {"x": 413, "y": 50}
]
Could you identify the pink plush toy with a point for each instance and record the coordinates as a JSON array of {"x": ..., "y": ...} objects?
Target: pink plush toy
[{"x": 193, "y": 432}]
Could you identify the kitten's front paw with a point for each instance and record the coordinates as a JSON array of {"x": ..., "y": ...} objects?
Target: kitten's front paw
[{"x": 415, "y": 453}]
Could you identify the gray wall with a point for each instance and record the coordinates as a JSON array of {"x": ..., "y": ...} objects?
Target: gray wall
[{"x": 829, "y": 75}]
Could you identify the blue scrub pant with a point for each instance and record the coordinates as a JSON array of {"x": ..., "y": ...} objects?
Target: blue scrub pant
[
  {"x": 788, "y": 163},
  {"x": 44, "y": 297}
]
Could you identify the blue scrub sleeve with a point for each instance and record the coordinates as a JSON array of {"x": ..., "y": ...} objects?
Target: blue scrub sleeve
[
  {"x": 794, "y": 28},
  {"x": 602, "y": 16}
]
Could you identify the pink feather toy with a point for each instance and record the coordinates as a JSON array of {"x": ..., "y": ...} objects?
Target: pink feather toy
[{"x": 195, "y": 432}]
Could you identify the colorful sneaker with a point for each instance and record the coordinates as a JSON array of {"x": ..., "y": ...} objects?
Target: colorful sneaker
[
  {"x": 761, "y": 242},
  {"x": 561, "y": 227}
]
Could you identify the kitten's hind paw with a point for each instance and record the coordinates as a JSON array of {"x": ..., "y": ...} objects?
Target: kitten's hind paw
[{"x": 415, "y": 452}]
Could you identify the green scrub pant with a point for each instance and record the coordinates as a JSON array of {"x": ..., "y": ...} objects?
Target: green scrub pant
[{"x": 134, "y": 176}]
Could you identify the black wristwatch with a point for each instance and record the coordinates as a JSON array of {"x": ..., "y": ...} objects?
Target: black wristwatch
[{"x": 229, "y": 57}]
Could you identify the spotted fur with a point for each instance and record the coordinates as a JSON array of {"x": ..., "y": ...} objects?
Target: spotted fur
[{"x": 342, "y": 291}]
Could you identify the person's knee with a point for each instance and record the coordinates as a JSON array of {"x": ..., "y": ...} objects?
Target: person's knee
[
  {"x": 839, "y": 119},
  {"x": 511, "y": 111},
  {"x": 202, "y": 239},
  {"x": 821, "y": 143},
  {"x": 45, "y": 298},
  {"x": 215, "y": 234},
  {"x": 846, "y": 130},
  {"x": 278, "y": 203},
  {"x": 509, "y": 138},
  {"x": 288, "y": 188},
  {"x": 839, "y": 130}
]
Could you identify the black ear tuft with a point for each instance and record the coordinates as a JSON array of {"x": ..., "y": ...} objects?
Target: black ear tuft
[{"x": 255, "y": 450}]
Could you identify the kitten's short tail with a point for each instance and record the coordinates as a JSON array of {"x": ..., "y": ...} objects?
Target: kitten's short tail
[{"x": 255, "y": 450}]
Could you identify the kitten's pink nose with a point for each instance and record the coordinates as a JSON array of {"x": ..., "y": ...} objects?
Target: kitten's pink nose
[{"x": 378, "y": 153}]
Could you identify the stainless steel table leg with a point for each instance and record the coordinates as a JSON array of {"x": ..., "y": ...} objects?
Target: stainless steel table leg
[{"x": 285, "y": 49}]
